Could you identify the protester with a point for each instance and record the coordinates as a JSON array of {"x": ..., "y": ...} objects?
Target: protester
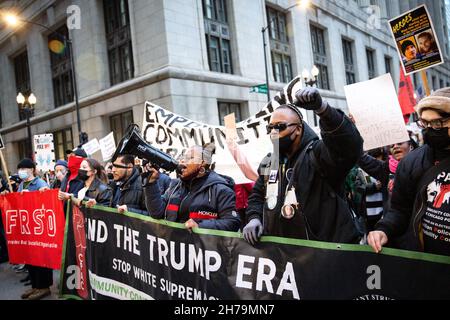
[
  {"x": 41, "y": 278},
  {"x": 71, "y": 184},
  {"x": 419, "y": 201},
  {"x": 61, "y": 169},
  {"x": 128, "y": 194},
  {"x": 95, "y": 184},
  {"x": 199, "y": 198},
  {"x": 309, "y": 175}
]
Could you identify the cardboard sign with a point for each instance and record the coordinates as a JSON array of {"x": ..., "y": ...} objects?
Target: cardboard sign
[
  {"x": 107, "y": 146},
  {"x": 230, "y": 126},
  {"x": 44, "y": 152},
  {"x": 417, "y": 43},
  {"x": 91, "y": 147},
  {"x": 378, "y": 117}
]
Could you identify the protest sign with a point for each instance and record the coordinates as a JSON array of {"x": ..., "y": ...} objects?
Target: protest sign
[
  {"x": 91, "y": 146},
  {"x": 417, "y": 43},
  {"x": 44, "y": 152},
  {"x": 375, "y": 107},
  {"x": 107, "y": 146},
  {"x": 130, "y": 256},
  {"x": 34, "y": 227},
  {"x": 173, "y": 133}
]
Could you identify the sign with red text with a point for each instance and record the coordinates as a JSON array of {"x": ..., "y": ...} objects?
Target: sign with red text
[{"x": 34, "y": 227}]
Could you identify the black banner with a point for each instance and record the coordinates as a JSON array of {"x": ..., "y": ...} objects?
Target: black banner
[{"x": 108, "y": 255}]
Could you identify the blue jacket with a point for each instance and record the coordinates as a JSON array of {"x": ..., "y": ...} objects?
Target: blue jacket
[
  {"x": 34, "y": 185},
  {"x": 210, "y": 201}
]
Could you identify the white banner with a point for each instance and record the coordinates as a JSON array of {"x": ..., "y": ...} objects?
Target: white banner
[
  {"x": 91, "y": 147},
  {"x": 376, "y": 110},
  {"x": 44, "y": 152},
  {"x": 107, "y": 146},
  {"x": 173, "y": 133}
]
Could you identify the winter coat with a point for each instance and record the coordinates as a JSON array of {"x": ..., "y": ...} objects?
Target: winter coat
[
  {"x": 131, "y": 194},
  {"x": 75, "y": 185},
  {"x": 100, "y": 192},
  {"x": 209, "y": 201},
  {"x": 34, "y": 185},
  {"x": 404, "y": 217},
  {"x": 324, "y": 213}
]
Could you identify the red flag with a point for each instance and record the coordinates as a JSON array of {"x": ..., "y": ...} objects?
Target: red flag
[
  {"x": 34, "y": 226},
  {"x": 406, "y": 94}
]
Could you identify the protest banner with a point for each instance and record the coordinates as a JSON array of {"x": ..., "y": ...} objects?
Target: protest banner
[
  {"x": 406, "y": 95},
  {"x": 130, "y": 256},
  {"x": 91, "y": 147},
  {"x": 173, "y": 133},
  {"x": 44, "y": 152},
  {"x": 378, "y": 116},
  {"x": 107, "y": 146},
  {"x": 34, "y": 227},
  {"x": 417, "y": 43}
]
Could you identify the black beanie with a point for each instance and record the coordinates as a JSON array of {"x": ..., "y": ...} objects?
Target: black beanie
[
  {"x": 26, "y": 163},
  {"x": 406, "y": 44}
]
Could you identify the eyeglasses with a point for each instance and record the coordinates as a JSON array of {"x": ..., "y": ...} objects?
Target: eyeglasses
[
  {"x": 120, "y": 166},
  {"x": 435, "y": 124},
  {"x": 280, "y": 126}
]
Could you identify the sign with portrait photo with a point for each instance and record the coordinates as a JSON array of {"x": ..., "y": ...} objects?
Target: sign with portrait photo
[{"x": 416, "y": 40}]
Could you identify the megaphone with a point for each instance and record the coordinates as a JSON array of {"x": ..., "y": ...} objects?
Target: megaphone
[{"x": 133, "y": 143}]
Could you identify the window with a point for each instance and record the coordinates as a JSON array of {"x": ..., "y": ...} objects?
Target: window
[
  {"x": 279, "y": 45},
  {"x": 388, "y": 64},
  {"x": 277, "y": 25},
  {"x": 61, "y": 67},
  {"x": 441, "y": 84},
  {"x": 22, "y": 74},
  {"x": 63, "y": 140},
  {"x": 347, "y": 46},
  {"x": 434, "y": 82},
  {"x": 370, "y": 53},
  {"x": 225, "y": 108},
  {"x": 119, "y": 123},
  {"x": 217, "y": 36},
  {"x": 320, "y": 56},
  {"x": 24, "y": 149},
  {"x": 118, "y": 38}
]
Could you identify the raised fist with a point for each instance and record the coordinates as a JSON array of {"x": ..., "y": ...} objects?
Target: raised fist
[{"x": 309, "y": 98}]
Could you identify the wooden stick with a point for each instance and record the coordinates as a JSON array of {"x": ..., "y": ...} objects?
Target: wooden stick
[
  {"x": 425, "y": 82},
  {"x": 5, "y": 170}
]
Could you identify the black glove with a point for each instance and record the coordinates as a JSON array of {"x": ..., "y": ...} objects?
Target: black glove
[
  {"x": 309, "y": 98},
  {"x": 253, "y": 231}
]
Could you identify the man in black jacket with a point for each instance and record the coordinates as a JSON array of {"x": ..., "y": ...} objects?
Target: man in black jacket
[
  {"x": 128, "y": 194},
  {"x": 420, "y": 204},
  {"x": 306, "y": 174}
]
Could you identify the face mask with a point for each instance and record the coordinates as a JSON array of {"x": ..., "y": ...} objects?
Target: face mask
[
  {"x": 284, "y": 144},
  {"x": 82, "y": 175},
  {"x": 74, "y": 163},
  {"x": 436, "y": 139},
  {"x": 23, "y": 174}
]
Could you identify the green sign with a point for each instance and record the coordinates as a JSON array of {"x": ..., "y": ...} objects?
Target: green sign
[{"x": 262, "y": 88}]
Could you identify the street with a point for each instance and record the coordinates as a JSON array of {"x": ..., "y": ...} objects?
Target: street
[{"x": 11, "y": 288}]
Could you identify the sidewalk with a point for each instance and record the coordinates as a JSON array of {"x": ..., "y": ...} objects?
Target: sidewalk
[{"x": 11, "y": 288}]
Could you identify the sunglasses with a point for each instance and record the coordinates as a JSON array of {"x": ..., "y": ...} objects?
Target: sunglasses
[
  {"x": 280, "y": 126},
  {"x": 120, "y": 166}
]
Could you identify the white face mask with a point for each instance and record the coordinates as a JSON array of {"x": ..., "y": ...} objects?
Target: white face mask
[{"x": 23, "y": 174}]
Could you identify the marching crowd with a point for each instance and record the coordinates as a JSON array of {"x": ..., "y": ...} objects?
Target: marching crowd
[{"x": 324, "y": 189}]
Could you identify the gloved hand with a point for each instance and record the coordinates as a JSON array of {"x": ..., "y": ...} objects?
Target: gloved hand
[
  {"x": 309, "y": 98},
  {"x": 253, "y": 231}
]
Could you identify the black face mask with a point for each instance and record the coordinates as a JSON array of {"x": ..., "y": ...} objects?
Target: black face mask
[
  {"x": 284, "y": 144},
  {"x": 82, "y": 175},
  {"x": 436, "y": 139}
]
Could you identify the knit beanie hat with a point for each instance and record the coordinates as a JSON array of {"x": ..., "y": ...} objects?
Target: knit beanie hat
[
  {"x": 438, "y": 100},
  {"x": 26, "y": 164}
]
